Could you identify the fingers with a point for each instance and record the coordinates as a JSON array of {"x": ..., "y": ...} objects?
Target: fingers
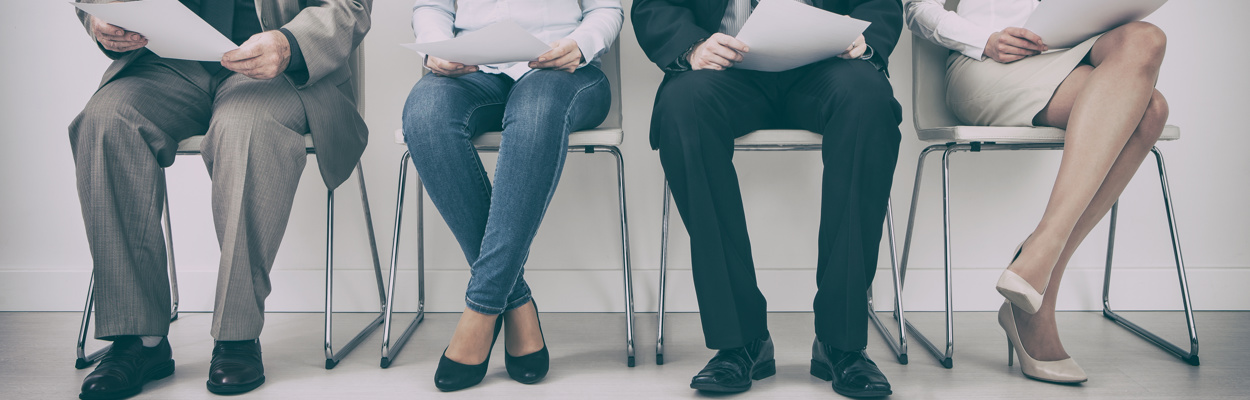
[
  {"x": 564, "y": 56},
  {"x": 115, "y": 38},
  {"x": 249, "y": 50},
  {"x": 857, "y": 49},
  {"x": 730, "y": 42},
  {"x": 443, "y": 67},
  {"x": 1035, "y": 42}
]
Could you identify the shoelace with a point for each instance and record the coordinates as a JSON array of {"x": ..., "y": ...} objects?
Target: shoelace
[{"x": 235, "y": 351}]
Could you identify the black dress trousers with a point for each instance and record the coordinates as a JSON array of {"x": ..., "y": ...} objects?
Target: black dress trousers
[{"x": 697, "y": 116}]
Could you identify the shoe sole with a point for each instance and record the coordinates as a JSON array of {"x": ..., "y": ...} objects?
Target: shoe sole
[
  {"x": 821, "y": 371},
  {"x": 161, "y": 371},
  {"x": 235, "y": 389},
  {"x": 764, "y": 370}
]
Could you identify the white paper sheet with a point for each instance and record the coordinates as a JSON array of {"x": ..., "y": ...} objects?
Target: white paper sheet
[
  {"x": 173, "y": 31},
  {"x": 502, "y": 42},
  {"x": 786, "y": 34},
  {"x": 1066, "y": 23}
]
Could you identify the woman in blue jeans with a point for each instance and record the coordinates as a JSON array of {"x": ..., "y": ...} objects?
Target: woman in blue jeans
[{"x": 536, "y": 105}]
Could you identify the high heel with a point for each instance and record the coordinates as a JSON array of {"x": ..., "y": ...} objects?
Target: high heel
[
  {"x": 1061, "y": 371},
  {"x": 532, "y": 367},
  {"x": 1017, "y": 290},
  {"x": 452, "y": 376}
]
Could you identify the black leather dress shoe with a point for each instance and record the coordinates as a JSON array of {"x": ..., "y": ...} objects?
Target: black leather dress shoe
[
  {"x": 236, "y": 367},
  {"x": 852, "y": 373},
  {"x": 732, "y": 370},
  {"x": 126, "y": 368}
]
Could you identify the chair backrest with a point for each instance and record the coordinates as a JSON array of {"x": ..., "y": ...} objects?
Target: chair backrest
[
  {"x": 929, "y": 83},
  {"x": 356, "y": 64},
  {"x": 612, "y": 69}
]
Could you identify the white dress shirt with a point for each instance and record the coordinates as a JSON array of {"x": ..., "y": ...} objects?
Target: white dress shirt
[
  {"x": 736, "y": 14},
  {"x": 593, "y": 24},
  {"x": 967, "y": 29}
]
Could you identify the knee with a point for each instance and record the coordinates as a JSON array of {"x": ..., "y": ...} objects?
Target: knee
[
  {"x": 690, "y": 94},
  {"x": 431, "y": 109},
  {"x": 1153, "y": 120},
  {"x": 103, "y": 121},
  {"x": 1145, "y": 41}
]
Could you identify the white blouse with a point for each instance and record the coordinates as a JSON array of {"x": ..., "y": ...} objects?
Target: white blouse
[
  {"x": 593, "y": 24},
  {"x": 967, "y": 29}
]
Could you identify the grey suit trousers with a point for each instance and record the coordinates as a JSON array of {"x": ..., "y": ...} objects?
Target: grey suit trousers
[{"x": 255, "y": 153}]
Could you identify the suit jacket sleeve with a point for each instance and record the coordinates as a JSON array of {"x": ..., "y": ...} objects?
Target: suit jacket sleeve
[
  {"x": 886, "y": 17},
  {"x": 328, "y": 31},
  {"x": 86, "y": 23},
  {"x": 666, "y": 29}
]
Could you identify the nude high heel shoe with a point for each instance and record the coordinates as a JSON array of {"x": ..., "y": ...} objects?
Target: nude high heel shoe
[
  {"x": 1061, "y": 371},
  {"x": 1017, "y": 290}
]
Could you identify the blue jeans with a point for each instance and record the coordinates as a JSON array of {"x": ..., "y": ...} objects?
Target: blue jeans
[{"x": 495, "y": 226}]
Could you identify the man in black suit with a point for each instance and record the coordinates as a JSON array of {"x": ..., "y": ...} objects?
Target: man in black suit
[{"x": 703, "y": 104}]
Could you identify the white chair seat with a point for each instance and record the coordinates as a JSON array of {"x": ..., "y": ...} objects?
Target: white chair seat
[
  {"x": 195, "y": 143},
  {"x": 589, "y": 137},
  {"x": 779, "y": 137},
  {"x": 999, "y": 134}
]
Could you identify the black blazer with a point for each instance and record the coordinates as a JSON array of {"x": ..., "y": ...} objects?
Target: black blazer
[{"x": 667, "y": 28}]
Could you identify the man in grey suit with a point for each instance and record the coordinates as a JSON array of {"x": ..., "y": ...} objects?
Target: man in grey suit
[{"x": 289, "y": 77}]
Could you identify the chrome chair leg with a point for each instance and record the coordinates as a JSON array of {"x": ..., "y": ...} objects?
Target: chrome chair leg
[
  {"x": 332, "y": 357},
  {"x": 626, "y": 267},
  {"x": 659, "y": 339},
  {"x": 85, "y": 360},
  {"x": 943, "y": 358},
  {"x": 1191, "y": 356},
  {"x": 389, "y": 353},
  {"x": 900, "y": 347},
  {"x": 169, "y": 250}
]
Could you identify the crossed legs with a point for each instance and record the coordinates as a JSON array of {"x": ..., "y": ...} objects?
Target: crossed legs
[{"x": 1113, "y": 116}]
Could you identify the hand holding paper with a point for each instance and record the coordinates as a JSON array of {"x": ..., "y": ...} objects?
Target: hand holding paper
[
  {"x": 784, "y": 35},
  {"x": 114, "y": 38},
  {"x": 169, "y": 28}
]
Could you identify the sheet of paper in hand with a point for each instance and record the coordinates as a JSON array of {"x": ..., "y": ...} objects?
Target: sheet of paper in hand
[
  {"x": 786, "y": 34},
  {"x": 501, "y": 42},
  {"x": 1066, "y": 23},
  {"x": 172, "y": 30}
]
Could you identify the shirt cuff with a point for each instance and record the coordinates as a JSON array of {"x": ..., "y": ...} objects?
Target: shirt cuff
[{"x": 296, "y": 68}]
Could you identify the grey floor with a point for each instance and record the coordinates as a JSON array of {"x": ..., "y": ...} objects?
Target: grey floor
[{"x": 37, "y": 354}]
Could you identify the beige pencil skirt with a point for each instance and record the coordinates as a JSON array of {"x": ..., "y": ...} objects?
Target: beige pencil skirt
[{"x": 987, "y": 93}]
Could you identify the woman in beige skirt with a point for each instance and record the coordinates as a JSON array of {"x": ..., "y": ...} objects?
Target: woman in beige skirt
[{"x": 1101, "y": 91}]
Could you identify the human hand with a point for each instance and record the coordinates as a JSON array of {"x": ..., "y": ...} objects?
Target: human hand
[
  {"x": 856, "y": 50},
  {"x": 717, "y": 53},
  {"x": 263, "y": 56},
  {"x": 1013, "y": 44},
  {"x": 563, "y": 56},
  {"x": 448, "y": 69},
  {"x": 114, "y": 38}
]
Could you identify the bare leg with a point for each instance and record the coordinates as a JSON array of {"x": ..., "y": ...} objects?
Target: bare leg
[
  {"x": 1039, "y": 332},
  {"x": 1103, "y": 110},
  {"x": 475, "y": 332},
  {"x": 522, "y": 333}
]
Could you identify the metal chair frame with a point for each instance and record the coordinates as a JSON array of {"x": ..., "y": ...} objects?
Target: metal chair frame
[
  {"x": 332, "y": 357},
  {"x": 899, "y": 347},
  {"x": 389, "y": 352},
  {"x": 945, "y": 356}
]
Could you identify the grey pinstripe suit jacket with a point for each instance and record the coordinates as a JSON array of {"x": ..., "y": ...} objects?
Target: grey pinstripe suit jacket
[{"x": 327, "y": 31}]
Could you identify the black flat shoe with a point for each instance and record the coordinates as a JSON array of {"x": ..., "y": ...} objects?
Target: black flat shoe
[
  {"x": 852, "y": 373},
  {"x": 732, "y": 370},
  {"x": 451, "y": 376},
  {"x": 532, "y": 367},
  {"x": 236, "y": 367},
  {"x": 126, "y": 368}
]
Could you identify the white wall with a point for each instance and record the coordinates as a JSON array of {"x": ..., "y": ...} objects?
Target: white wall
[{"x": 53, "y": 68}]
